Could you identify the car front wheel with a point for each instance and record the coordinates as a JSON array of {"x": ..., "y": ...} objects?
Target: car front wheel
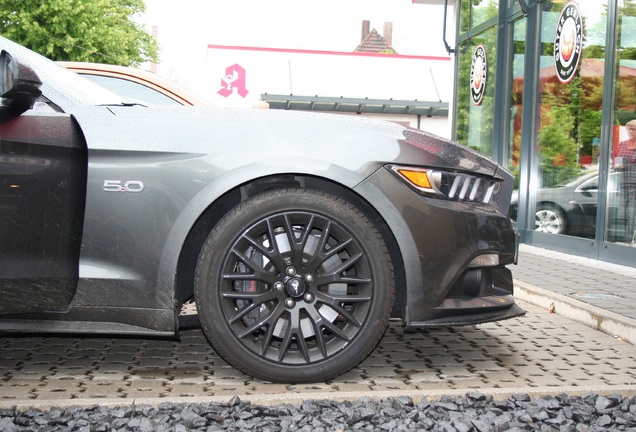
[{"x": 294, "y": 285}]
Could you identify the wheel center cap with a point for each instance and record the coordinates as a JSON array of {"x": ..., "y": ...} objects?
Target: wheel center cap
[{"x": 295, "y": 287}]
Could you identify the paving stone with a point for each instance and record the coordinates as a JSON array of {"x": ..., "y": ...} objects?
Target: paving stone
[
  {"x": 455, "y": 371},
  {"x": 527, "y": 370},
  {"x": 145, "y": 388},
  {"x": 317, "y": 387},
  {"x": 618, "y": 379},
  {"x": 387, "y": 380},
  {"x": 504, "y": 376},
  {"x": 100, "y": 389},
  {"x": 186, "y": 389},
  {"x": 424, "y": 376},
  {"x": 260, "y": 387},
  {"x": 483, "y": 365},
  {"x": 467, "y": 383},
  {"x": 360, "y": 387},
  {"x": 228, "y": 373},
  {"x": 374, "y": 362},
  {"x": 434, "y": 385},
  {"x": 59, "y": 389},
  {"x": 381, "y": 387},
  {"x": 353, "y": 376},
  {"x": 18, "y": 389},
  {"x": 187, "y": 358}
]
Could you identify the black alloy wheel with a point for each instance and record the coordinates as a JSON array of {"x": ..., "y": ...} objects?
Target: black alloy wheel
[{"x": 294, "y": 285}]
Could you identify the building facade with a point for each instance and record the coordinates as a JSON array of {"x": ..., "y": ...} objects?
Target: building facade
[
  {"x": 411, "y": 90},
  {"x": 547, "y": 88}
]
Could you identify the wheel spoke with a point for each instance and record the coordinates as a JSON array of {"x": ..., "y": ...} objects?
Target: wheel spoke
[
  {"x": 339, "y": 278},
  {"x": 293, "y": 334},
  {"x": 336, "y": 302},
  {"x": 272, "y": 255},
  {"x": 322, "y": 253},
  {"x": 255, "y": 301},
  {"x": 336, "y": 275},
  {"x": 258, "y": 273},
  {"x": 267, "y": 339},
  {"x": 317, "y": 323},
  {"x": 336, "y": 330},
  {"x": 264, "y": 321}
]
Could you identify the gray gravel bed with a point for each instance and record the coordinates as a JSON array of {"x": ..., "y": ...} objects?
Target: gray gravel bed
[{"x": 472, "y": 412}]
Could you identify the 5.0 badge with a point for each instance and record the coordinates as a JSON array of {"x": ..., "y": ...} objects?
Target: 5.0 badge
[{"x": 132, "y": 186}]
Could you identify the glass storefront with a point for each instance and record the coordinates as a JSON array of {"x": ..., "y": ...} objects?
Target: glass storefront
[
  {"x": 569, "y": 119},
  {"x": 557, "y": 106},
  {"x": 475, "y": 112},
  {"x": 621, "y": 200}
]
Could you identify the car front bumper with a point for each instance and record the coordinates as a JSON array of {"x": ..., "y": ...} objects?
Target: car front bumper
[{"x": 439, "y": 241}]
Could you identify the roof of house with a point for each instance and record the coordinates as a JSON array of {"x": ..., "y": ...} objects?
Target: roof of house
[{"x": 373, "y": 42}]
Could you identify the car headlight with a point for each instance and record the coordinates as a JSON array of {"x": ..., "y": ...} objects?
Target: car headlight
[{"x": 448, "y": 184}]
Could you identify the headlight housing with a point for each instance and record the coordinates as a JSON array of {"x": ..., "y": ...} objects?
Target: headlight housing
[{"x": 457, "y": 186}]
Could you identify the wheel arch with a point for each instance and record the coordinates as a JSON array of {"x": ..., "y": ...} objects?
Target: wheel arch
[{"x": 184, "y": 288}]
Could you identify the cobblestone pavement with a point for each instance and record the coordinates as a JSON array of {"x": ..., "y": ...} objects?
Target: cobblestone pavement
[{"x": 540, "y": 352}]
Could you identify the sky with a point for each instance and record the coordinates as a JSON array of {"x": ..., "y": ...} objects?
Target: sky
[{"x": 185, "y": 28}]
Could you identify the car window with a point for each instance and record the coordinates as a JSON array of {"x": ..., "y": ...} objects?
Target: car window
[
  {"x": 132, "y": 90},
  {"x": 590, "y": 185}
]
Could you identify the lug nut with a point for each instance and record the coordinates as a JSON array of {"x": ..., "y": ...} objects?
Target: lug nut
[
  {"x": 309, "y": 297},
  {"x": 290, "y": 303},
  {"x": 279, "y": 286},
  {"x": 291, "y": 271},
  {"x": 309, "y": 277}
]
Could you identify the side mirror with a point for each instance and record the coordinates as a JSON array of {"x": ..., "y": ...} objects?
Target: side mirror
[{"x": 19, "y": 84}]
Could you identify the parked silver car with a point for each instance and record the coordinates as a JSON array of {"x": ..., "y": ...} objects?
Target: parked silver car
[{"x": 297, "y": 234}]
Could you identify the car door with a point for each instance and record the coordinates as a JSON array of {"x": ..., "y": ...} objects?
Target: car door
[
  {"x": 43, "y": 163},
  {"x": 586, "y": 198}
]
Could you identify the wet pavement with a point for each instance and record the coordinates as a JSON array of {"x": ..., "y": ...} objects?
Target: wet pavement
[
  {"x": 540, "y": 353},
  {"x": 550, "y": 350}
]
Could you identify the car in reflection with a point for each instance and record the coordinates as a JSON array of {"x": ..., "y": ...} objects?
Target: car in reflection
[
  {"x": 298, "y": 235},
  {"x": 134, "y": 84},
  {"x": 570, "y": 208}
]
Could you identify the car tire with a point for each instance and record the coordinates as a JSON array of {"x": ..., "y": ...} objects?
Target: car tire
[
  {"x": 294, "y": 285},
  {"x": 550, "y": 219}
]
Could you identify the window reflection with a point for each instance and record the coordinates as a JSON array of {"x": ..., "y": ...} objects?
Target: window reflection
[
  {"x": 475, "y": 12},
  {"x": 475, "y": 122},
  {"x": 516, "y": 101},
  {"x": 569, "y": 126},
  {"x": 621, "y": 208}
]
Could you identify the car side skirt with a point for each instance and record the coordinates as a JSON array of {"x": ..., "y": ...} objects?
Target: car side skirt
[{"x": 133, "y": 321}]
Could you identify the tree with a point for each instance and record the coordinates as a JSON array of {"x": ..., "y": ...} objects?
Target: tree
[{"x": 102, "y": 31}]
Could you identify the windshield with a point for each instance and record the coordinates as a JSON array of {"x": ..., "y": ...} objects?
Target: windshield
[{"x": 60, "y": 85}]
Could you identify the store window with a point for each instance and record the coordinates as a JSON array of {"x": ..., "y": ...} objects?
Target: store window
[
  {"x": 476, "y": 12},
  {"x": 621, "y": 200},
  {"x": 571, "y": 79},
  {"x": 475, "y": 92},
  {"x": 516, "y": 97}
]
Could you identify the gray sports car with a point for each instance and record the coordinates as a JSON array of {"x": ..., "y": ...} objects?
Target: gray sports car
[{"x": 297, "y": 235}]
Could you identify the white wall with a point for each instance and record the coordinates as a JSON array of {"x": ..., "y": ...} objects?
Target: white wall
[{"x": 329, "y": 74}]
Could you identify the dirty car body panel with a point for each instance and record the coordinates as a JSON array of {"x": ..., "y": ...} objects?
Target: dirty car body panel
[{"x": 298, "y": 235}]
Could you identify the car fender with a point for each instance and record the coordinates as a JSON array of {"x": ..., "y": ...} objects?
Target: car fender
[{"x": 212, "y": 192}]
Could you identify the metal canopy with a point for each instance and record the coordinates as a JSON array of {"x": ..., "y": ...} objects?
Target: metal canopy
[{"x": 361, "y": 105}]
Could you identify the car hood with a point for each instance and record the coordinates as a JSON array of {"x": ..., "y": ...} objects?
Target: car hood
[{"x": 359, "y": 144}]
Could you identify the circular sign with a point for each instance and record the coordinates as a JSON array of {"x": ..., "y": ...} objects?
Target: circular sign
[
  {"x": 568, "y": 42},
  {"x": 478, "y": 70}
]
